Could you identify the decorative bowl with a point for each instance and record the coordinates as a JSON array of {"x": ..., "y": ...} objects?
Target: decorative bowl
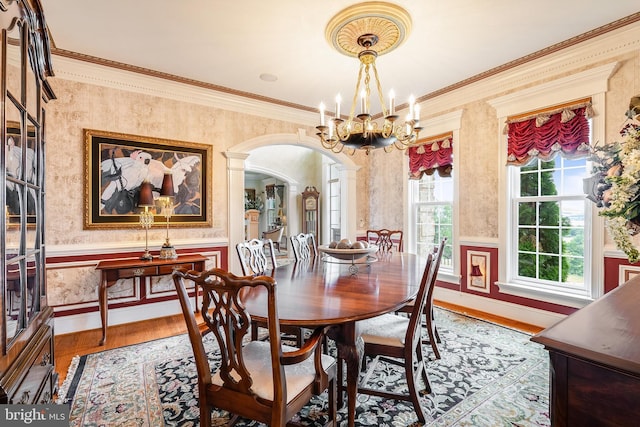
[{"x": 348, "y": 254}]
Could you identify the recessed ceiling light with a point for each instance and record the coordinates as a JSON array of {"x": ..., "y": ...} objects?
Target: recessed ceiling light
[{"x": 268, "y": 77}]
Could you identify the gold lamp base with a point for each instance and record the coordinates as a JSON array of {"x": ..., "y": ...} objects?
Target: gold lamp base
[{"x": 167, "y": 251}]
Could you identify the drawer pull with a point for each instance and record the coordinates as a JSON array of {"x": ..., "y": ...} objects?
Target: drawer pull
[
  {"x": 25, "y": 398},
  {"x": 46, "y": 358},
  {"x": 138, "y": 271}
]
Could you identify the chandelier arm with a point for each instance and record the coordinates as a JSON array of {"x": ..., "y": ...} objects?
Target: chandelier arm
[
  {"x": 328, "y": 144},
  {"x": 379, "y": 87},
  {"x": 367, "y": 90},
  {"x": 337, "y": 151},
  {"x": 354, "y": 101}
]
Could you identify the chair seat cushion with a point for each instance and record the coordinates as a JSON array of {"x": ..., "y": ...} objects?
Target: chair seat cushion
[
  {"x": 257, "y": 358},
  {"x": 387, "y": 329}
]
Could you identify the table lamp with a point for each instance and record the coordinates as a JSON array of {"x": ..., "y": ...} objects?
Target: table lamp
[
  {"x": 166, "y": 202},
  {"x": 145, "y": 200}
]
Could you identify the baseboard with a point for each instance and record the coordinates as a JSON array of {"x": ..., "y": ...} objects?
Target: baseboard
[
  {"x": 117, "y": 316},
  {"x": 520, "y": 313}
]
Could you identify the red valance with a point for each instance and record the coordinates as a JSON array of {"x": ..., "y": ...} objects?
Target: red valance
[
  {"x": 431, "y": 155},
  {"x": 565, "y": 132}
]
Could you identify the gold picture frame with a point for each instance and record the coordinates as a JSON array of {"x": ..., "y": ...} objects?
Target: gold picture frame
[{"x": 116, "y": 164}]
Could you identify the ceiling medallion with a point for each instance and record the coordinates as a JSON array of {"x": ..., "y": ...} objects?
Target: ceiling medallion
[{"x": 365, "y": 31}]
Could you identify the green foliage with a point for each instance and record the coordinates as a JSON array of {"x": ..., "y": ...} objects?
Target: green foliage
[{"x": 536, "y": 180}]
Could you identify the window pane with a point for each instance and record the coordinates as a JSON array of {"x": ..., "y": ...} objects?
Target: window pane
[
  {"x": 575, "y": 269},
  {"x": 527, "y": 265},
  {"x": 572, "y": 183},
  {"x": 527, "y": 240},
  {"x": 550, "y": 240},
  {"x": 550, "y": 267},
  {"x": 529, "y": 184},
  {"x": 573, "y": 241},
  {"x": 527, "y": 213},
  {"x": 549, "y": 181},
  {"x": 549, "y": 213}
]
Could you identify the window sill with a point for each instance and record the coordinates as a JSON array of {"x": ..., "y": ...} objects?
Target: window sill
[
  {"x": 568, "y": 300},
  {"x": 449, "y": 278}
]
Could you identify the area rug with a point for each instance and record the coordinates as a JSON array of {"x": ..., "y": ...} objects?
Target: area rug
[{"x": 488, "y": 376}]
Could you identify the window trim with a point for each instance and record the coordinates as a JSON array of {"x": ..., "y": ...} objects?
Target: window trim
[{"x": 593, "y": 83}]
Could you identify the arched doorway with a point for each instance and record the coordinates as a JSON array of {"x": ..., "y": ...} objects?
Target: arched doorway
[{"x": 236, "y": 156}]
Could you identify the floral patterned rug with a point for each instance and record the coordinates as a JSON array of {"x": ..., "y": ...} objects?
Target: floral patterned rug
[{"x": 488, "y": 376}]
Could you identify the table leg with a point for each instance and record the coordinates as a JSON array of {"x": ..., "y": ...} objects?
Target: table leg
[
  {"x": 350, "y": 349},
  {"x": 102, "y": 303}
]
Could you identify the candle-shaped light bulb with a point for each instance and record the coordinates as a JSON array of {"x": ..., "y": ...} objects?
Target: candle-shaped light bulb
[
  {"x": 338, "y": 101},
  {"x": 416, "y": 112},
  {"x": 330, "y": 129},
  {"x": 392, "y": 102},
  {"x": 321, "y": 107},
  {"x": 363, "y": 102}
]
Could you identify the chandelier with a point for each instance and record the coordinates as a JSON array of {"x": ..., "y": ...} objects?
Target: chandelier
[{"x": 367, "y": 30}]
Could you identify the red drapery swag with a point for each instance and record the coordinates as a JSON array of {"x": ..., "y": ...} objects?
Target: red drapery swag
[
  {"x": 544, "y": 135},
  {"x": 430, "y": 156}
]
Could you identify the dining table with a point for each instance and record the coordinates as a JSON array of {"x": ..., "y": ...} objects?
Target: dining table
[{"x": 328, "y": 292}]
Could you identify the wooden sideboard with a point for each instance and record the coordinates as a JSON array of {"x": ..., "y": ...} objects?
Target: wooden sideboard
[
  {"x": 595, "y": 361},
  {"x": 113, "y": 270}
]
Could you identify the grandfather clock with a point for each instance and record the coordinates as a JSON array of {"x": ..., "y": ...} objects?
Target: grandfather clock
[{"x": 310, "y": 211}]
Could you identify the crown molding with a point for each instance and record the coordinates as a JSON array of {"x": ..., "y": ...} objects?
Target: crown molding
[
  {"x": 544, "y": 65},
  {"x": 145, "y": 82},
  {"x": 618, "y": 38}
]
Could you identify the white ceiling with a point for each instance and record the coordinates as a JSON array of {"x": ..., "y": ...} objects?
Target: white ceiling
[{"x": 231, "y": 43}]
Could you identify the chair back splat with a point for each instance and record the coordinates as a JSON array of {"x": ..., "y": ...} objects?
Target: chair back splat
[
  {"x": 253, "y": 258},
  {"x": 386, "y": 240},
  {"x": 304, "y": 247},
  {"x": 264, "y": 381}
]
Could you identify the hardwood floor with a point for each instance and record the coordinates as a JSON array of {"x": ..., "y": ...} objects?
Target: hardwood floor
[{"x": 86, "y": 342}]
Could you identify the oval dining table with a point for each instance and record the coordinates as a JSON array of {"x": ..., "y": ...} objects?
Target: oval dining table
[{"x": 324, "y": 292}]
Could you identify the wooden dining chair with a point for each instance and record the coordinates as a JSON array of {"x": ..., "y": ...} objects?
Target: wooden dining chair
[
  {"x": 253, "y": 256},
  {"x": 264, "y": 381},
  {"x": 304, "y": 247},
  {"x": 253, "y": 260},
  {"x": 386, "y": 240},
  {"x": 428, "y": 316},
  {"x": 397, "y": 339}
]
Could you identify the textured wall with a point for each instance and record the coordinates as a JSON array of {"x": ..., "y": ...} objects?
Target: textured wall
[{"x": 81, "y": 106}]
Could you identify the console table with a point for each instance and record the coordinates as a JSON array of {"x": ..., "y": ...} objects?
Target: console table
[
  {"x": 595, "y": 361},
  {"x": 131, "y": 268}
]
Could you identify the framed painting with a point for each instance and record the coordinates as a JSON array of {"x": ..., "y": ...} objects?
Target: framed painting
[
  {"x": 478, "y": 271},
  {"x": 116, "y": 164}
]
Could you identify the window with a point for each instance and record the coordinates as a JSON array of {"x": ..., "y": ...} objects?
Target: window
[
  {"x": 550, "y": 222},
  {"x": 334, "y": 203},
  {"x": 432, "y": 198}
]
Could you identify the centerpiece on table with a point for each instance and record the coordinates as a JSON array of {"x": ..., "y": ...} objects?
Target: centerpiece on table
[{"x": 615, "y": 183}]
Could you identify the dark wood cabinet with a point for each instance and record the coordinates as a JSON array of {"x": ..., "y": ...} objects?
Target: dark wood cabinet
[
  {"x": 595, "y": 362},
  {"x": 27, "y": 373}
]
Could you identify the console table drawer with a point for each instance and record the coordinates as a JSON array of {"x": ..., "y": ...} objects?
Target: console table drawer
[
  {"x": 168, "y": 269},
  {"x": 127, "y": 273}
]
